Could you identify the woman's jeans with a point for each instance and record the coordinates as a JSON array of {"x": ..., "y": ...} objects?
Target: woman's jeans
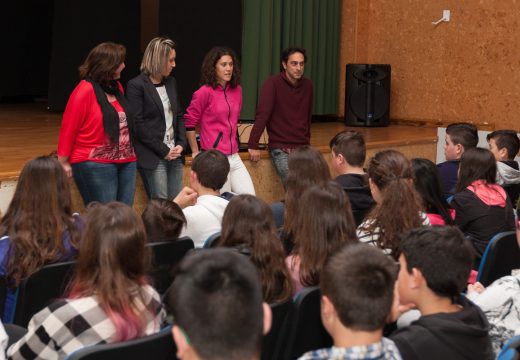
[{"x": 165, "y": 181}]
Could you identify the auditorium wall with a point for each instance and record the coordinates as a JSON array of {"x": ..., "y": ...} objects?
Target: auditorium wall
[{"x": 464, "y": 70}]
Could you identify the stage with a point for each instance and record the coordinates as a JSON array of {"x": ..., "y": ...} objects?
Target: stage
[{"x": 29, "y": 130}]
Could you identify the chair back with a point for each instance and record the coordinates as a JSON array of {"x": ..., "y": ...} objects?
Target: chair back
[
  {"x": 502, "y": 255},
  {"x": 212, "y": 240},
  {"x": 40, "y": 289},
  {"x": 274, "y": 339},
  {"x": 305, "y": 329},
  {"x": 510, "y": 350},
  {"x": 165, "y": 256},
  {"x": 159, "y": 346}
]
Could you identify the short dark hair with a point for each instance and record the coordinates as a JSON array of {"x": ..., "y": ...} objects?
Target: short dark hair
[
  {"x": 506, "y": 139},
  {"x": 463, "y": 133},
  {"x": 443, "y": 256},
  {"x": 208, "y": 75},
  {"x": 163, "y": 220},
  {"x": 216, "y": 299},
  {"x": 359, "y": 281},
  {"x": 284, "y": 56},
  {"x": 212, "y": 168},
  {"x": 350, "y": 144},
  {"x": 476, "y": 164}
]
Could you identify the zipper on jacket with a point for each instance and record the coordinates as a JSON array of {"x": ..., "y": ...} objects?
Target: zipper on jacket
[{"x": 229, "y": 122}]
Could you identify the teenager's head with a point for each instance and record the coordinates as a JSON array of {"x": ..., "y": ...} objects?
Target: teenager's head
[
  {"x": 104, "y": 63},
  {"x": 248, "y": 224},
  {"x": 348, "y": 146},
  {"x": 37, "y": 216},
  {"x": 504, "y": 144},
  {"x": 113, "y": 258},
  {"x": 476, "y": 164},
  {"x": 210, "y": 169},
  {"x": 163, "y": 220},
  {"x": 358, "y": 284},
  {"x": 216, "y": 302},
  {"x": 220, "y": 65},
  {"x": 428, "y": 185},
  {"x": 323, "y": 224},
  {"x": 159, "y": 58},
  {"x": 460, "y": 137},
  {"x": 436, "y": 257}
]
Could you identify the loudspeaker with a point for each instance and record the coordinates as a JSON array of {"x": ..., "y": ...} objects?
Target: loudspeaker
[{"x": 367, "y": 95}]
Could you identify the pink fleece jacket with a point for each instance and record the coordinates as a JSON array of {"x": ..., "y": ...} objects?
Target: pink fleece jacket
[{"x": 215, "y": 111}]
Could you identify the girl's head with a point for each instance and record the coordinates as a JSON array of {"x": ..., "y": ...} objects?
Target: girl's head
[
  {"x": 220, "y": 66},
  {"x": 163, "y": 220},
  {"x": 476, "y": 164},
  {"x": 104, "y": 63},
  {"x": 159, "y": 58}
]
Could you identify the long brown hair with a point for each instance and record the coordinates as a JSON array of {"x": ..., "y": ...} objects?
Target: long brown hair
[
  {"x": 401, "y": 205},
  {"x": 102, "y": 61},
  {"x": 248, "y": 221},
  {"x": 476, "y": 164},
  {"x": 112, "y": 263},
  {"x": 208, "y": 75},
  {"x": 37, "y": 217},
  {"x": 323, "y": 224},
  {"x": 307, "y": 167}
]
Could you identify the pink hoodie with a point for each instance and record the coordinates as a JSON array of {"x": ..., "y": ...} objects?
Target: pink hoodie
[
  {"x": 489, "y": 194},
  {"x": 216, "y": 111}
]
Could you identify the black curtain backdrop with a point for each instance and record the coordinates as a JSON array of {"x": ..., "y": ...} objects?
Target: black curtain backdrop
[
  {"x": 80, "y": 25},
  {"x": 196, "y": 27}
]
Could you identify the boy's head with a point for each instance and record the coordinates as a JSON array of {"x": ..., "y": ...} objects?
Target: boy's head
[
  {"x": 357, "y": 287},
  {"x": 163, "y": 220},
  {"x": 436, "y": 260},
  {"x": 216, "y": 302},
  {"x": 459, "y": 138},
  {"x": 504, "y": 144},
  {"x": 348, "y": 148},
  {"x": 209, "y": 169}
]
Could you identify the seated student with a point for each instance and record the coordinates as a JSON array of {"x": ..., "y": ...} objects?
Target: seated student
[
  {"x": 482, "y": 208},
  {"x": 38, "y": 227},
  {"x": 248, "y": 226},
  {"x": 216, "y": 301},
  {"x": 163, "y": 220},
  {"x": 504, "y": 144},
  {"x": 427, "y": 184},
  {"x": 460, "y": 137},
  {"x": 202, "y": 204},
  {"x": 357, "y": 292},
  {"x": 348, "y": 156},
  {"x": 434, "y": 265},
  {"x": 109, "y": 299}
]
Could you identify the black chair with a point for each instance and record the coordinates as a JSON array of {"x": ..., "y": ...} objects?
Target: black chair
[
  {"x": 305, "y": 330},
  {"x": 273, "y": 341},
  {"x": 159, "y": 346},
  {"x": 40, "y": 289},
  {"x": 502, "y": 255},
  {"x": 166, "y": 255},
  {"x": 212, "y": 240}
]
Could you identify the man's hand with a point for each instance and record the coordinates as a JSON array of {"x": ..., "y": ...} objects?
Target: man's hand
[
  {"x": 254, "y": 154},
  {"x": 186, "y": 197}
]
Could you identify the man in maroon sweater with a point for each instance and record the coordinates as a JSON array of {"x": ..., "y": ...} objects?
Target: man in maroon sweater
[{"x": 285, "y": 107}]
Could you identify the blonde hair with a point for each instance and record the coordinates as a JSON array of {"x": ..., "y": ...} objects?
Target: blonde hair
[{"x": 156, "y": 55}]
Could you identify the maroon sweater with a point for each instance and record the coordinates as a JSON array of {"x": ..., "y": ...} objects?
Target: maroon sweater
[{"x": 286, "y": 111}]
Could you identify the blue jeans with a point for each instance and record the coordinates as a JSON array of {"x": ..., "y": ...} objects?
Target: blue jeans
[
  {"x": 105, "y": 182},
  {"x": 280, "y": 161},
  {"x": 165, "y": 181}
]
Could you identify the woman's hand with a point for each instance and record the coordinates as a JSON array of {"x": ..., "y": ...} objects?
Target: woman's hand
[
  {"x": 174, "y": 153},
  {"x": 64, "y": 161}
]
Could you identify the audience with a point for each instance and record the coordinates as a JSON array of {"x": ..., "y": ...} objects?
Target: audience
[
  {"x": 216, "y": 301},
  {"x": 38, "y": 228},
  {"x": 248, "y": 227},
  {"x": 347, "y": 159},
  {"x": 460, "y": 137},
  {"x": 163, "y": 220},
  {"x": 427, "y": 184},
  {"x": 434, "y": 265},
  {"x": 482, "y": 208},
  {"x": 109, "y": 299},
  {"x": 324, "y": 224},
  {"x": 357, "y": 288},
  {"x": 398, "y": 205}
]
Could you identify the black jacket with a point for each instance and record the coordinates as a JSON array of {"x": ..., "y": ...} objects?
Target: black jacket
[
  {"x": 357, "y": 189},
  {"x": 150, "y": 123}
]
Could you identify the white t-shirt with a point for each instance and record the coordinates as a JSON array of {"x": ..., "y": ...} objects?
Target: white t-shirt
[{"x": 169, "y": 138}]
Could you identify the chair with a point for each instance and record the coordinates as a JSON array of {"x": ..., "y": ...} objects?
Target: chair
[
  {"x": 273, "y": 340},
  {"x": 510, "y": 350},
  {"x": 159, "y": 346},
  {"x": 166, "y": 255},
  {"x": 212, "y": 240},
  {"x": 502, "y": 255},
  {"x": 305, "y": 331},
  {"x": 40, "y": 289}
]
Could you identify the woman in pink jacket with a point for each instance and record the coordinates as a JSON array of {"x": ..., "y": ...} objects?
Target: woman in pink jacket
[{"x": 215, "y": 108}]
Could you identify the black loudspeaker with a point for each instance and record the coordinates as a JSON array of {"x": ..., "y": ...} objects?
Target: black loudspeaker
[{"x": 367, "y": 95}]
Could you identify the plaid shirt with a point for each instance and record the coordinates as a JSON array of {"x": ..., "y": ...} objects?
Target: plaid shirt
[
  {"x": 70, "y": 324},
  {"x": 383, "y": 350}
]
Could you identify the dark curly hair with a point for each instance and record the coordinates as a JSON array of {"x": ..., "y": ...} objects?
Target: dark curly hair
[{"x": 208, "y": 74}]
